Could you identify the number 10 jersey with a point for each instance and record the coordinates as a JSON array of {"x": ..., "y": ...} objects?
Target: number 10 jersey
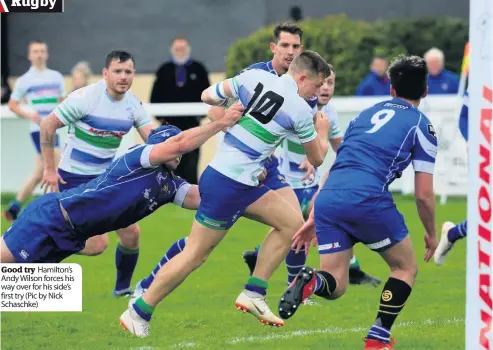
[{"x": 273, "y": 110}]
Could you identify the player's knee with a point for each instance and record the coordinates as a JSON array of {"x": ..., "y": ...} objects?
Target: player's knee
[
  {"x": 406, "y": 272},
  {"x": 95, "y": 247},
  {"x": 130, "y": 236}
]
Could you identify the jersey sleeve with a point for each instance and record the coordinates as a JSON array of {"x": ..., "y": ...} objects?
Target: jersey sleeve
[
  {"x": 144, "y": 158},
  {"x": 304, "y": 128},
  {"x": 182, "y": 189},
  {"x": 141, "y": 117},
  {"x": 61, "y": 81},
  {"x": 19, "y": 91},
  {"x": 73, "y": 108},
  {"x": 335, "y": 129},
  {"x": 425, "y": 148}
]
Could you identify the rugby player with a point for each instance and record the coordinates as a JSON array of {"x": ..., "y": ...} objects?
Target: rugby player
[
  {"x": 57, "y": 225},
  {"x": 451, "y": 233},
  {"x": 43, "y": 89},
  {"x": 98, "y": 116},
  {"x": 274, "y": 108},
  {"x": 286, "y": 45},
  {"x": 354, "y": 204}
]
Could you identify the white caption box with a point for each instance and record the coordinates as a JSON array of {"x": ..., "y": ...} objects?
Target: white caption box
[{"x": 40, "y": 287}]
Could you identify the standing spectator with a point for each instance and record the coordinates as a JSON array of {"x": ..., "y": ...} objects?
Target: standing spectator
[
  {"x": 81, "y": 73},
  {"x": 376, "y": 83},
  {"x": 5, "y": 90},
  {"x": 181, "y": 79},
  {"x": 440, "y": 80}
]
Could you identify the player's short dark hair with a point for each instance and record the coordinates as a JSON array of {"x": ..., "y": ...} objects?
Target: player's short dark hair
[
  {"x": 409, "y": 76},
  {"x": 287, "y": 28},
  {"x": 119, "y": 56},
  {"x": 311, "y": 62}
]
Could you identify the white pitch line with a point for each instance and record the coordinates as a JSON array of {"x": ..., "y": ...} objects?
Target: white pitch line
[
  {"x": 308, "y": 332},
  {"x": 337, "y": 330}
]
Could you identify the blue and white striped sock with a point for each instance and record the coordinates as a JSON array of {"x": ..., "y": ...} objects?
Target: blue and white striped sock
[{"x": 175, "y": 249}]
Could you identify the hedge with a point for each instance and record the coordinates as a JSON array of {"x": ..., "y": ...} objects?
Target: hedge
[{"x": 349, "y": 45}]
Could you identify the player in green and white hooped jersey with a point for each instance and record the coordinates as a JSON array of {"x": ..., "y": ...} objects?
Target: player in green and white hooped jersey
[
  {"x": 229, "y": 187},
  {"x": 98, "y": 116},
  {"x": 43, "y": 89}
]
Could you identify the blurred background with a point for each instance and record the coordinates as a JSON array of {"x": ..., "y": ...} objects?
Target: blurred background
[{"x": 222, "y": 37}]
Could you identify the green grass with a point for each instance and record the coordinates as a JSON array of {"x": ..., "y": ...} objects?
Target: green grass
[{"x": 201, "y": 314}]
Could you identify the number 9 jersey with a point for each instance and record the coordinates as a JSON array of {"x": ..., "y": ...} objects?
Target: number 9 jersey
[
  {"x": 273, "y": 110},
  {"x": 379, "y": 144}
]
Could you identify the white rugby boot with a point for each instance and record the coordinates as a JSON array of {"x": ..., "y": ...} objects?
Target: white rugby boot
[
  {"x": 255, "y": 304},
  {"x": 444, "y": 246},
  {"x": 133, "y": 323}
]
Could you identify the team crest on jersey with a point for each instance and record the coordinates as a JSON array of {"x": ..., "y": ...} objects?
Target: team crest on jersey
[
  {"x": 160, "y": 178},
  {"x": 431, "y": 131}
]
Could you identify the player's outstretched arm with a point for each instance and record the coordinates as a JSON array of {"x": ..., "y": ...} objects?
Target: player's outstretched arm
[
  {"x": 193, "y": 138},
  {"x": 48, "y": 128},
  {"x": 425, "y": 202}
]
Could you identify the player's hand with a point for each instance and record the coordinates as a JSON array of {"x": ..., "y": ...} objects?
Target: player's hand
[
  {"x": 232, "y": 115},
  {"x": 322, "y": 123},
  {"x": 50, "y": 181},
  {"x": 262, "y": 175},
  {"x": 431, "y": 244},
  {"x": 304, "y": 236},
  {"x": 310, "y": 170}
]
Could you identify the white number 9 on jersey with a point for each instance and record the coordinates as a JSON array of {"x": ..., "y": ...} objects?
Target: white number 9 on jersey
[{"x": 380, "y": 118}]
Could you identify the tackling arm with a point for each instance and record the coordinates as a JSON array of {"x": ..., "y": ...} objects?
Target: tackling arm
[{"x": 191, "y": 139}]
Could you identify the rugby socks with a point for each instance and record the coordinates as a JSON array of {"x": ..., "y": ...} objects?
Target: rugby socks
[
  {"x": 457, "y": 232},
  {"x": 325, "y": 284},
  {"x": 143, "y": 309},
  {"x": 354, "y": 263},
  {"x": 125, "y": 262},
  {"x": 14, "y": 207},
  {"x": 175, "y": 249},
  {"x": 294, "y": 263},
  {"x": 257, "y": 285},
  {"x": 394, "y": 296}
]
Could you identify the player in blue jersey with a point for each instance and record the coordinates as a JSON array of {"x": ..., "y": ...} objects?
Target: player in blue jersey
[
  {"x": 286, "y": 45},
  {"x": 452, "y": 233},
  {"x": 355, "y": 205},
  {"x": 57, "y": 225}
]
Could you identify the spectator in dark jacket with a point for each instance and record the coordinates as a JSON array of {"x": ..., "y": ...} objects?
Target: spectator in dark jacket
[
  {"x": 376, "y": 83},
  {"x": 181, "y": 79},
  {"x": 440, "y": 80}
]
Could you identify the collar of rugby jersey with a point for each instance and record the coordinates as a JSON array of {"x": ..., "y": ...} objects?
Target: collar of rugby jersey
[{"x": 289, "y": 81}]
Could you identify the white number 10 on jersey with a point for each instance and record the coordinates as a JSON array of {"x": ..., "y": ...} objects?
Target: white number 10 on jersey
[{"x": 380, "y": 118}]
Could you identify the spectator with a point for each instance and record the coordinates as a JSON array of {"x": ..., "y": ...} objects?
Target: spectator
[
  {"x": 376, "y": 83},
  {"x": 5, "y": 90},
  {"x": 181, "y": 79},
  {"x": 440, "y": 80},
  {"x": 81, "y": 73}
]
